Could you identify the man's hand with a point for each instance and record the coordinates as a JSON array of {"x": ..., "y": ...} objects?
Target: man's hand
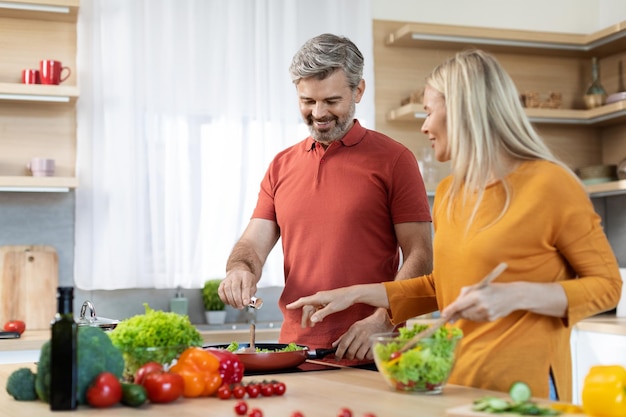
[
  {"x": 356, "y": 343},
  {"x": 237, "y": 288}
]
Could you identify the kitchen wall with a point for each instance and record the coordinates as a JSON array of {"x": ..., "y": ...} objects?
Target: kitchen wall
[{"x": 48, "y": 218}]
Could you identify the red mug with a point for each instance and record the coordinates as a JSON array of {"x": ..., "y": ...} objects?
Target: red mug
[
  {"x": 31, "y": 76},
  {"x": 53, "y": 72}
]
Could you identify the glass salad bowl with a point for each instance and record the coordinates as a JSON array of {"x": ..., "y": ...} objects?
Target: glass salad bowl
[{"x": 425, "y": 367}]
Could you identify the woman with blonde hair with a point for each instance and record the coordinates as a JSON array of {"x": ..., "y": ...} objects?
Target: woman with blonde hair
[{"x": 508, "y": 199}]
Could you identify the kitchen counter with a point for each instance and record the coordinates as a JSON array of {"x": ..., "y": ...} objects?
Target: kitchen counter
[
  {"x": 609, "y": 324},
  {"x": 33, "y": 339},
  {"x": 315, "y": 394}
]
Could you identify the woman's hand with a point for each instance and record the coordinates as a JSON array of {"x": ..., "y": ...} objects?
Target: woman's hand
[
  {"x": 324, "y": 303},
  {"x": 498, "y": 300}
]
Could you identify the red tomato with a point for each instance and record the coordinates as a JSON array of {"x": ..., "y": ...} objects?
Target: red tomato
[
  {"x": 239, "y": 391},
  {"x": 345, "y": 412},
  {"x": 267, "y": 390},
  {"x": 146, "y": 369},
  {"x": 105, "y": 390},
  {"x": 255, "y": 412},
  {"x": 296, "y": 414},
  {"x": 163, "y": 387},
  {"x": 241, "y": 408},
  {"x": 224, "y": 392},
  {"x": 253, "y": 390},
  {"x": 15, "y": 326},
  {"x": 279, "y": 388},
  {"x": 369, "y": 415}
]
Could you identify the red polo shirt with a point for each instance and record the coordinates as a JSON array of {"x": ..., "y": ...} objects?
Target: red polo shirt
[{"x": 336, "y": 209}]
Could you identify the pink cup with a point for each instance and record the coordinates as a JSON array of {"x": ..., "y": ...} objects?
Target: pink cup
[
  {"x": 31, "y": 76},
  {"x": 53, "y": 72},
  {"x": 41, "y": 167}
]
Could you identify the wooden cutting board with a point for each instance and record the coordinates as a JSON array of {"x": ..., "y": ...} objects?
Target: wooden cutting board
[
  {"x": 28, "y": 285},
  {"x": 466, "y": 411}
]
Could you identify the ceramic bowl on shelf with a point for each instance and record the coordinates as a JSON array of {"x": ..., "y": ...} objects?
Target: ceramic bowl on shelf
[
  {"x": 425, "y": 367},
  {"x": 613, "y": 98}
]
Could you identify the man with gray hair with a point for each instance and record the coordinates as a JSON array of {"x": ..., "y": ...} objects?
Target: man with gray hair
[{"x": 348, "y": 202}]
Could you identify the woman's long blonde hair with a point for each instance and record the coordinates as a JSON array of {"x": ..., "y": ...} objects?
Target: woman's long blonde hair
[{"x": 485, "y": 120}]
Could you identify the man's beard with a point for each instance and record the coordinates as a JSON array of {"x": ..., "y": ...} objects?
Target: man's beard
[{"x": 338, "y": 131}]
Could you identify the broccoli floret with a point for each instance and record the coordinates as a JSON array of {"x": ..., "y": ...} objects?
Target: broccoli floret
[
  {"x": 21, "y": 385},
  {"x": 95, "y": 354}
]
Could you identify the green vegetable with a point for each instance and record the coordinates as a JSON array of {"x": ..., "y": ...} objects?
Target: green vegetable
[
  {"x": 291, "y": 347},
  {"x": 95, "y": 354},
  {"x": 154, "y": 336},
  {"x": 520, "y": 392},
  {"x": 425, "y": 366},
  {"x": 21, "y": 385},
  {"x": 133, "y": 395},
  {"x": 519, "y": 403}
]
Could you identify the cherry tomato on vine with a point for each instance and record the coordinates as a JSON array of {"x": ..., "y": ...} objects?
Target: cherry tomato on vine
[
  {"x": 239, "y": 391},
  {"x": 255, "y": 412},
  {"x": 241, "y": 408},
  {"x": 279, "y": 388},
  {"x": 267, "y": 390},
  {"x": 253, "y": 390},
  {"x": 224, "y": 393}
]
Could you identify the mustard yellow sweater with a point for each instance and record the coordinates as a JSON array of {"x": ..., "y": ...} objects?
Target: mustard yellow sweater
[{"x": 550, "y": 233}]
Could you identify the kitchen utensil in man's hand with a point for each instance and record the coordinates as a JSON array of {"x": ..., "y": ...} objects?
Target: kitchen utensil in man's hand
[{"x": 441, "y": 321}]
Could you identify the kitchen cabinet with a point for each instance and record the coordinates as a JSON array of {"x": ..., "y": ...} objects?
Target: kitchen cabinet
[
  {"x": 37, "y": 120},
  {"x": 596, "y": 341},
  {"x": 540, "y": 62}
]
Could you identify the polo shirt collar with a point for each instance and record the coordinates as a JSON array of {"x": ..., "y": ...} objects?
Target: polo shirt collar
[{"x": 353, "y": 137}]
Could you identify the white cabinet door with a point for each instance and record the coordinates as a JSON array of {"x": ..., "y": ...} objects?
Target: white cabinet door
[{"x": 591, "y": 348}]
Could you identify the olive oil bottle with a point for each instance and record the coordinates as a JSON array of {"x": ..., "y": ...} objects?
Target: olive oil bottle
[{"x": 63, "y": 350}]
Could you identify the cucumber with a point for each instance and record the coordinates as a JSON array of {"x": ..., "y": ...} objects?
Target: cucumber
[
  {"x": 133, "y": 395},
  {"x": 520, "y": 392}
]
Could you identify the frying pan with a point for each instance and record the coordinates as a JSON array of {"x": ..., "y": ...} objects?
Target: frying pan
[{"x": 273, "y": 360}]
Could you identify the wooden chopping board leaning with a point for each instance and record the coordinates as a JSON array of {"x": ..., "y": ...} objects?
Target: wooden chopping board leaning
[{"x": 28, "y": 283}]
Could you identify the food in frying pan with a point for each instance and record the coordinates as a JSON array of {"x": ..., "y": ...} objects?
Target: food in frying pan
[{"x": 291, "y": 347}]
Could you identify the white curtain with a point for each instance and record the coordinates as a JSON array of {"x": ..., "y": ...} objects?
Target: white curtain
[{"x": 183, "y": 104}]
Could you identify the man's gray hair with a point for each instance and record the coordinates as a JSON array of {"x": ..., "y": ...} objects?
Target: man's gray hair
[{"x": 322, "y": 55}]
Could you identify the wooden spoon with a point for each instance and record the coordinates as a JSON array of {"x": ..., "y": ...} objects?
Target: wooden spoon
[
  {"x": 252, "y": 347},
  {"x": 441, "y": 321}
]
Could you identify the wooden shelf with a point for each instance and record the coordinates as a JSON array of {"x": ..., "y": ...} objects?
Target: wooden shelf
[
  {"x": 606, "y": 115},
  {"x": 607, "y": 189},
  {"x": 38, "y": 92},
  {"x": 55, "y": 10},
  {"x": 421, "y": 35},
  {"x": 37, "y": 184}
]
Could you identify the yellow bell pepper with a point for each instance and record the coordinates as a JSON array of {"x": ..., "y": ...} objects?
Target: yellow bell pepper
[{"x": 604, "y": 391}]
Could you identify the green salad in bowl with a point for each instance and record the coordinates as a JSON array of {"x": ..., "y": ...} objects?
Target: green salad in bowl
[{"x": 423, "y": 368}]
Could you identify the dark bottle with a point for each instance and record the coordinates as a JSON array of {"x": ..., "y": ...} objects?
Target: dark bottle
[{"x": 63, "y": 348}]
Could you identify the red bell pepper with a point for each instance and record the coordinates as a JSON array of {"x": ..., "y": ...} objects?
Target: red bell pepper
[{"x": 231, "y": 368}]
